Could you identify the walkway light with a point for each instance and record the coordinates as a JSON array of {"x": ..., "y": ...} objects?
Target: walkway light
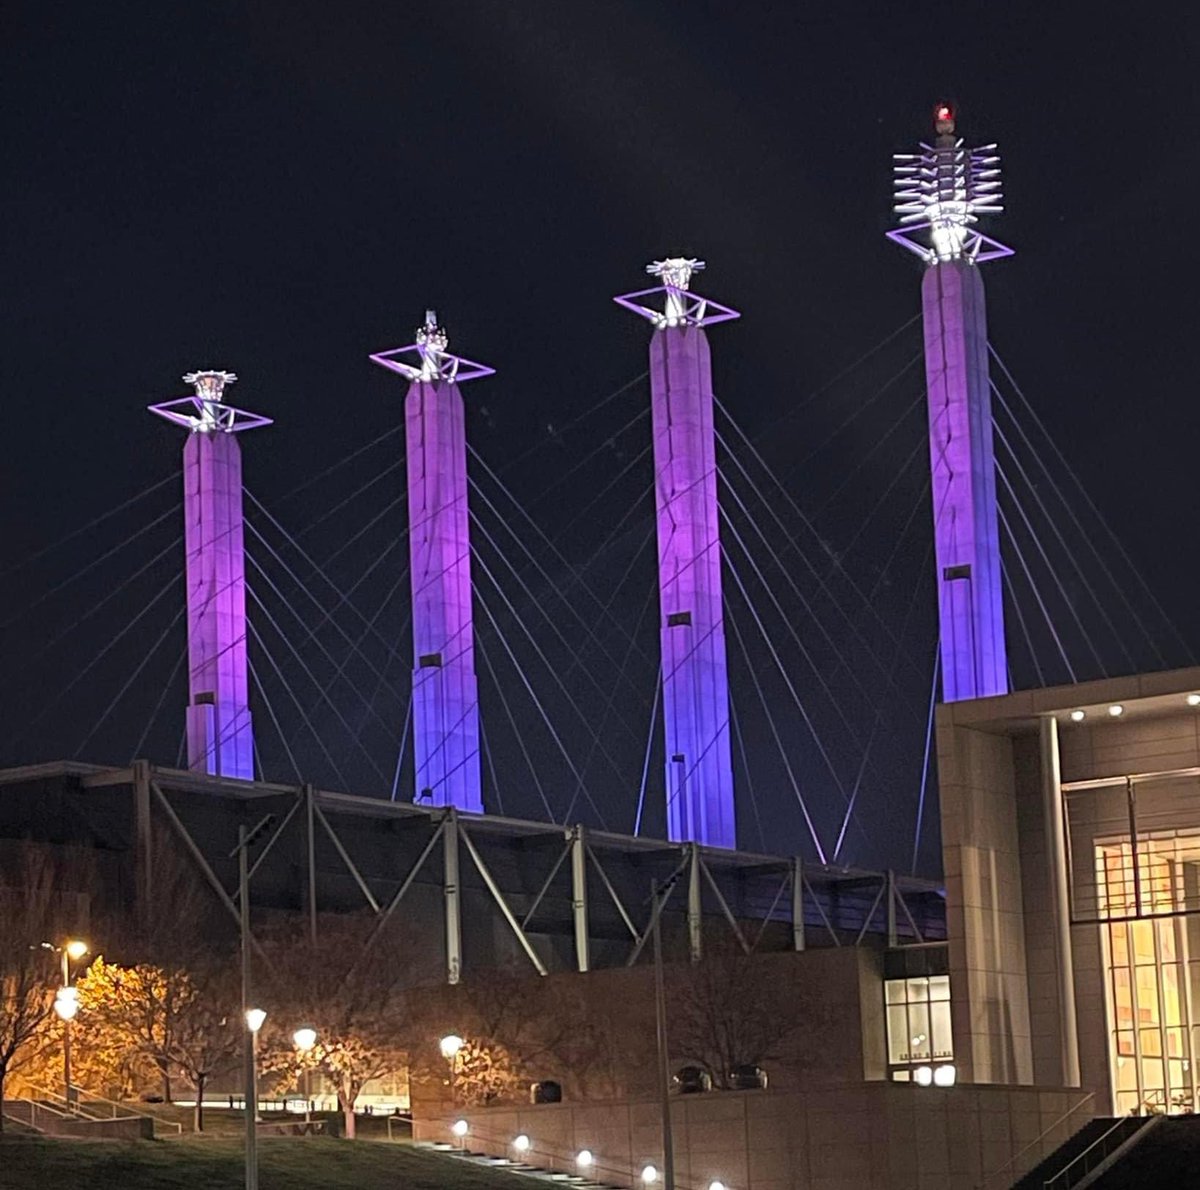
[
  {"x": 460, "y": 1128},
  {"x": 76, "y": 949},
  {"x": 66, "y": 1003},
  {"x": 649, "y": 1175},
  {"x": 255, "y": 1018},
  {"x": 521, "y": 1143},
  {"x": 1078, "y": 716},
  {"x": 716, "y": 1186},
  {"x": 584, "y": 1158},
  {"x": 450, "y": 1045},
  {"x": 304, "y": 1039},
  {"x": 1116, "y": 709},
  {"x": 1193, "y": 700}
]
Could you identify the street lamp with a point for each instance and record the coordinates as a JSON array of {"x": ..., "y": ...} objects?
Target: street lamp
[
  {"x": 450, "y": 1045},
  {"x": 305, "y": 1039},
  {"x": 66, "y": 1001}
]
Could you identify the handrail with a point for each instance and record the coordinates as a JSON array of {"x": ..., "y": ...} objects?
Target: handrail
[
  {"x": 1142, "y": 1122},
  {"x": 34, "y": 1108},
  {"x": 89, "y": 1097},
  {"x": 1009, "y": 1165}
]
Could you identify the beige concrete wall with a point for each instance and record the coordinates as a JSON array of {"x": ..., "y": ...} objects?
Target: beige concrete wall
[
  {"x": 875, "y": 1136},
  {"x": 981, "y": 849}
]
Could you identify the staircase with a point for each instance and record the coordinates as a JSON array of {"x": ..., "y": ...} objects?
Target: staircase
[
  {"x": 599, "y": 1177},
  {"x": 1076, "y": 1161},
  {"x": 1167, "y": 1157}
]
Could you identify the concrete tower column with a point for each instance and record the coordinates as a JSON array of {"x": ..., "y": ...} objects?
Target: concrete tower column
[
  {"x": 220, "y": 735},
  {"x": 445, "y": 696},
  {"x": 695, "y": 690},
  {"x": 940, "y": 194}
]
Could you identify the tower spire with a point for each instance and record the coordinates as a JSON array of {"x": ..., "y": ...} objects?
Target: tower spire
[
  {"x": 695, "y": 682},
  {"x": 940, "y": 193},
  {"x": 445, "y": 695},
  {"x": 219, "y": 731}
]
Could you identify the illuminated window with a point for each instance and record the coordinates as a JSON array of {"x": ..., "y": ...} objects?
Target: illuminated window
[{"x": 917, "y": 1008}]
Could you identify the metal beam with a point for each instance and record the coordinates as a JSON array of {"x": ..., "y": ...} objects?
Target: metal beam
[
  {"x": 498, "y": 896},
  {"x": 579, "y": 901},
  {"x": 406, "y": 884},
  {"x": 612, "y": 892},
  {"x": 453, "y": 894},
  {"x": 143, "y": 840},
  {"x": 562, "y": 855},
  {"x": 821, "y": 910},
  {"x": 784, "y": 885},
  {"x": 891, "y": 908},
  {"x": 311, "y": 858},
  {"x": 883, "y": 887},
  {"x": 695, "y": 907},
  {"x": 797, "y": 903},
  {"x": 733, "y": 922},
  {"x": 667, "y": 888},
  {"x": 362, "y": 884},
  {"x": 266, "y": 847}
]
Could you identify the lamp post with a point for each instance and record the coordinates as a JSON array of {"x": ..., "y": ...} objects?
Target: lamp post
[
  {"x": 450, "y": 1045},
  {"x": 66, "y": 1002},
  {"x": 658, "y": 899},
  {"x": 305, "y": 1039}
]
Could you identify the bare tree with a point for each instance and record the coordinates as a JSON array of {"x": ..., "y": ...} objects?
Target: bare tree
[{"x": 29, "y": 916}]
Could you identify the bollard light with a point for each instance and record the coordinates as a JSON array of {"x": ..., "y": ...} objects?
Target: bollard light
[
  {"x": 584, "y": 1158},
  {"x": 459, "y": 1128},
  {"x": 649, "y": 1175},
  {"x": 521, "y": 1143}
]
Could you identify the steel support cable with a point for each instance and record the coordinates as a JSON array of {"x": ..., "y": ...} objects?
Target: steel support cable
[
  {"x": 777, "y": 558},
  {"x": 342, "y": 462},
  {"x": 885, "y": 496},
  {"x": 812, "y": 730},
  {"x": 394, "y": 650},
  {"x": 311, "y": 635},
  {"x": 1036, "y": 593},
  {"x": 578, "y": 659},
  {"x": 741, "y": 743},
  {"x": 918, "y": 587},
  {"x": 322, "y": 692},
  {"x": 1088, "y": 537},
  {"x": 512, "y": 611},
  {"x": 518, "y": 734},
  {"x": 116, "y": 549},
  {"x": 863, "y": 459},
  {"x": 1037, "y": 421},
  {"x": 558, "y": 554},
  {"x": 129, "y": 681},
  {"x": 162, "y": 697},
  {"x": 612, "y": 396},
  {"x": 287, "y": 748},
  {"x": 537, "y": 603},
  {"x": 602, "y": 446},
  {"x": 336, "y": 508},
  {"x": 1032, "y": 488},
  {"x": 403, "y": 746},
  {"x": 362, "y": 530},
  {"x": 791, "y": 631},
  {"x": 612, "y": 694},
  {"x": 637, "y": 820},
  {"x": 93, "y": 608},
  {"x": 821, "y": 581},
  {"x": 112, "y": 642},
  {"x": 933, "y": 685},
  {"x": 487, "y": 755},
  {"x": 104, "y": 516},
  {"x": 541, "y": 709},
  {"x": 902, "y": 536},
  {"x": 858, "y": 411},
  {"x": 262, "y": 644},
  {"x": 1041, "y": 550},
  {"x": 817, "y": 392},
  {"x": 787, "y": 764},
  {"x": 304, "y": 588},
  {"x": 1016, "y": 605}
]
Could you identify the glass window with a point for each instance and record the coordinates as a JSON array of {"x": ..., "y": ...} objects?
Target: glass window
[
  {"x": 939, "y": 1020},
  {"x": 918, "y": 1022}
]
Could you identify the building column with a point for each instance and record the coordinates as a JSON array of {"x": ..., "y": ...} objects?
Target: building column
[
  {"x": 452, "y": 892},
  {"x": 579, "y": 901}
]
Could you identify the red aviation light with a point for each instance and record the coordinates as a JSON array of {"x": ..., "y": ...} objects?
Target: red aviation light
[{"x": 943, "y": 112}]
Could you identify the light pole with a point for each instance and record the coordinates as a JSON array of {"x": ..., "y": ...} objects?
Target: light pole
[
  {"x": 660, "y": 1028},
  {"x": 254, "y": 1017},
  {"x": 450, "y": 1045},
  {"x": 305, "y": 1039},
  {"x": 66, "y": 1002}
]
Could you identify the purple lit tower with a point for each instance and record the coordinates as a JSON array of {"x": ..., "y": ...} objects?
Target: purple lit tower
[
  {"x": 940, "y": 192},
  {"x": 445, "y": 696},
  {"x": 219, "y": 733},
  {"x": 695, "y": 681}
]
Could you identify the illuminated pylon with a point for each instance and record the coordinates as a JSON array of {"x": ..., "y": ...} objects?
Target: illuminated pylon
[
  {"x": 940, "y": 193},
  {"x": 695, "y": 680},
  {"x": 219, "y": 733},
  {"x": 445, "y": 695}
]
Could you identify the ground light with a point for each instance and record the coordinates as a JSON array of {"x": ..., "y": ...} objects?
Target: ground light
[
  {"x": 716, "y": 1186},
  {"x": 1116, "y": 709},
  {"x": 1078, "y": 716},
  {"x": 1193, "y": 700},
  {"x": 584, "y": 1158},
  {"x": 521, "y": 1143},
  {"x": 450, "y": 1045},
  {"x": 460, "y": 1128},
  {"x": 649, "y": 1175}
]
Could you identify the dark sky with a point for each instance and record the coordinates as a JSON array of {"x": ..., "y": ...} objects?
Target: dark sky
[{"x": 281, "y": 189}]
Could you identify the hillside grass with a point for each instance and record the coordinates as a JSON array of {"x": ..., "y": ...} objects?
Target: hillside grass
[{"x": 215, "y": 1163}]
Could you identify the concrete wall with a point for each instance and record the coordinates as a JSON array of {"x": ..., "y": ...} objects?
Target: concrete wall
[
  {"x": 981, "y": 848},
  {"x": 874, "y": 1136}
]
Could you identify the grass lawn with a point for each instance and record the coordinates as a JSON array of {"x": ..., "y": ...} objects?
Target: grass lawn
[{"x": 285, "y": 1163}]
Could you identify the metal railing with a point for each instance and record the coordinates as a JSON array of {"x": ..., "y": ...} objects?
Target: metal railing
[
  {"x": 36, "y": 1109},
  {"x": 1101, "y": 1148},
  {"x": 86, "y": 1105},
  {"x": 1010, "y": 1171}
]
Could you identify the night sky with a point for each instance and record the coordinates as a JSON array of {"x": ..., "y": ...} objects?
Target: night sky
[{"x": 282, "y": 189}]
